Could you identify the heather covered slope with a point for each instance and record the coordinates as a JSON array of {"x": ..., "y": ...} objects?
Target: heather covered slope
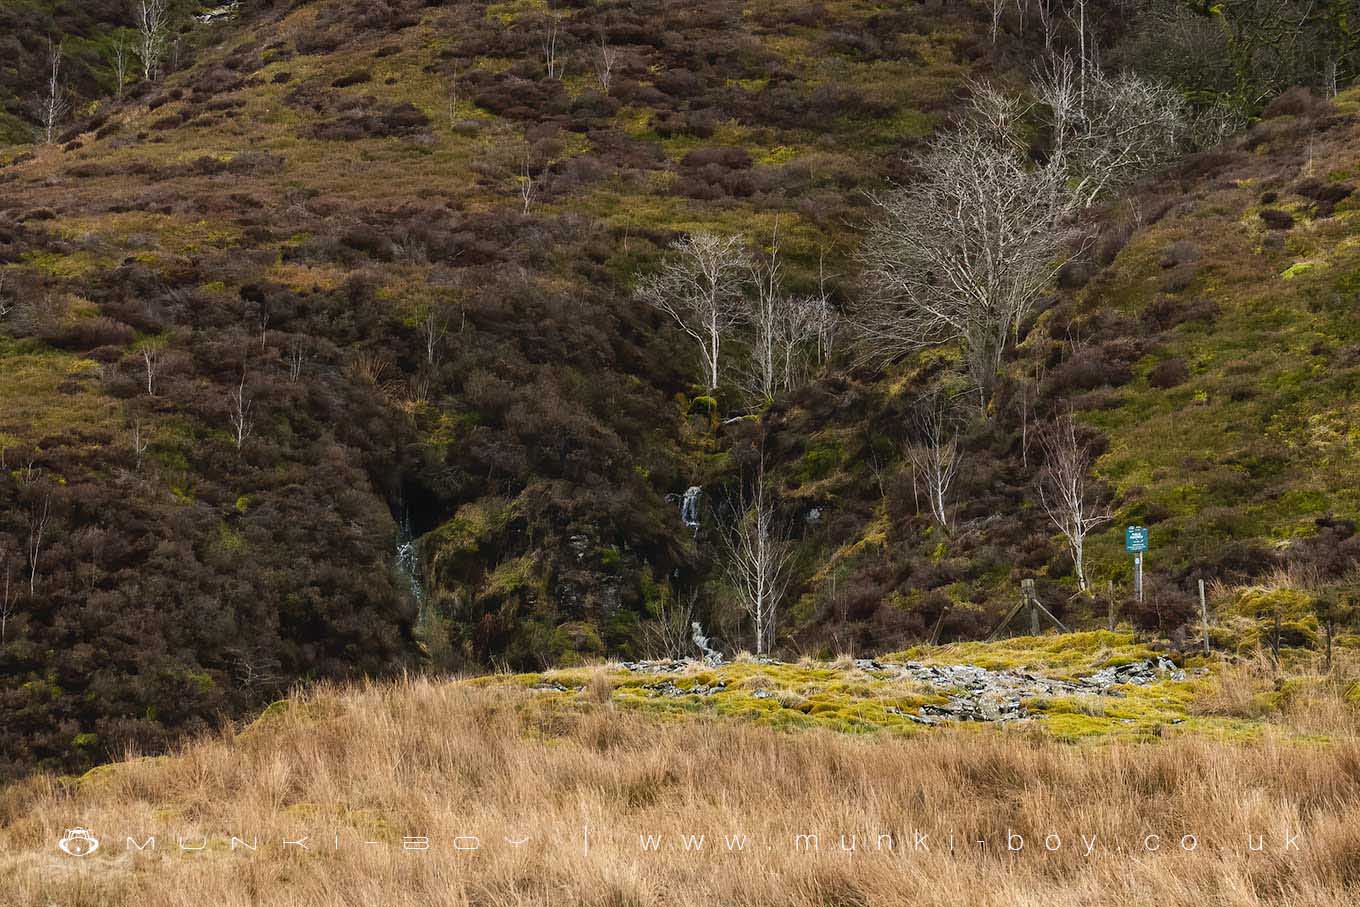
[{"x": 267, "y": 231}]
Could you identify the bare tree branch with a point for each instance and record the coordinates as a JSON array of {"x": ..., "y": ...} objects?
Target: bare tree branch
[
  {"x": 153, "y": 28},
  {"x": 1107, "y": 131},
  {"x": 52, "y": 106},
  {"x": 963, "y": 255},
  {"x": 934, "y": 452},
  {"x": 606, "y": 58},
  {"x": 759, "y": 559},
  {"x": 1064, "y": 490},
  {"x": 700, "y": 287},
  {"x": 239, "y": 415}
]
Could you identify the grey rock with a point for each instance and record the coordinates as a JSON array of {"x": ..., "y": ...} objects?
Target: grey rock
[
  {"x": 552, "y": 686},
  {"x": 669, "y": 688}
]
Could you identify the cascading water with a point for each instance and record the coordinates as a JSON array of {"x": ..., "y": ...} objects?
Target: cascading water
[
  {"x": 431, "y": 629},
  {"x": 689, "y": 507},
  {"x": 711, "y": 655},
  {"x": 408, "y": 559}
]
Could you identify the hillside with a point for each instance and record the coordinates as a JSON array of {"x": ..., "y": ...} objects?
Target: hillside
[
  {"x": 278, "y": 221},
  {"x": 323, "y": 354},
  {"x": 527, "y": 790},
  {"x": 1205, "y": 341}
]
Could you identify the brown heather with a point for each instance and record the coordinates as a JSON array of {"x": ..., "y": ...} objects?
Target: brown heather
[{"x": 497, "y": 761}]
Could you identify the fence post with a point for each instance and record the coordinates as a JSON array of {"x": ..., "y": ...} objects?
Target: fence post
[{"x": 1204, "y": 616}]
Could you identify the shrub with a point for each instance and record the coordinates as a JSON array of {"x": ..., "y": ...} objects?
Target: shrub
[
  {"x": 723, "y": 156},
  {"x": 89, "y": 333},
  {"x": 1296, "y": 102},
  {"x": 1088, "y": 369},
  {"x": 1179, "y": 279},
  {"x": 1180, "y": 252},
  {"x": 1261, "y": 605},
  {"x": 1165, "y": 312},
  {"x": 1165, "y": 607},
  {"x": 357, "y": 77},
  {"x": 1170, "y": 373},
  {"x": 1276, "y": 219}
]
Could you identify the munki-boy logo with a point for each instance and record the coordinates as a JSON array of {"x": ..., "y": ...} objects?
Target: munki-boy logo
[{"x": 78, "y": 842}]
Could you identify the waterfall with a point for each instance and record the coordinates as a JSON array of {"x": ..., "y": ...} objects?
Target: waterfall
[
  {"x": 711, "y": 655},
  {"x": 408, "y": 559},
  {"x": 689, "y": 507}
]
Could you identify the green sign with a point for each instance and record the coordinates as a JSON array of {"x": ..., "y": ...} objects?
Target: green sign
[{"x": 1136, "y": 539}]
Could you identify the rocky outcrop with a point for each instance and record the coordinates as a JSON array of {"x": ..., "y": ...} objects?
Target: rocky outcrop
[{"x": 979, "y": 694}]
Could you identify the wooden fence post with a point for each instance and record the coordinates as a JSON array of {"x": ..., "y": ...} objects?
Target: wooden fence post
[{"x": 1204, "y": 616}]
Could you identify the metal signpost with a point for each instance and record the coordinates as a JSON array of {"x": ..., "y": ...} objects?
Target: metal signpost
[{"x": 1136, "y": 542}]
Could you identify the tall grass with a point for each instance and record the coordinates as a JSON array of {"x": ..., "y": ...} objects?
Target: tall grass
[{"x": 423, "y": 758}]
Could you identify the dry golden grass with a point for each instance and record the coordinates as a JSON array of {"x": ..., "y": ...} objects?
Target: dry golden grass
[{"x": 496, "y": 761}]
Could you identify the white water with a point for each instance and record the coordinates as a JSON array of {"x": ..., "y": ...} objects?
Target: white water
[{"x": 689, "y": 507}]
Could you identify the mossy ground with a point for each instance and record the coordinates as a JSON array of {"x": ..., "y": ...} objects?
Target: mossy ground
[{"x": 840, "y": 697}]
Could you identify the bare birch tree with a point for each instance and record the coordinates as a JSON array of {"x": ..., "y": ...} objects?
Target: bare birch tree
[
  {"x": 825, "y": 318},
  {"x": 700, "y": 287},
  {"x": 1107, "y": 131},
  {"x": 528, "y": 183},
  {"x": 1076, "y": 14},
  {"x": 151, "y": 358},
  {"x": 52, "y": 105},
  {"x": 606, "y": 58},
  {"x": 120, "y": 64},
  {"x": 1044, "y": 10},
  {"x": 552, "y": 59},
  {"x": 784, "y": 329},
  {"x": 765, "y": 316},
  {"x": 297, "y": 358},
  {"x": 962, "y": 255},
  {"x": 1065, "y": 492},
  {"x": 239, "y": 413},
  {"x": 934, "y": 452},
  {"x": 801, "y": 325},
  {"x": 9, "y": 595},
  {"x": 998, "y": 10},
  {"x": 153, "y": 29},
  {"x": 670, "y": 635},
  {"x": 140, "y": 440},
  {"x": 759, "y": 559},
  {"x": 38, "y": 518},
  {"x": 434, "y": 327}
]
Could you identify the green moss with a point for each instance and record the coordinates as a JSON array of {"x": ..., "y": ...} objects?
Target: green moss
[
  {"x": 512, "y": 575},
  {"x": 577, "y": 642},
  {"x": 456, "y": 547},
  {"x": 1063, "y": 654},
  {"x": 229, "y": 540},
  {"x": 819, "y": 460},
  {"x": 1261, "y": 607}
]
